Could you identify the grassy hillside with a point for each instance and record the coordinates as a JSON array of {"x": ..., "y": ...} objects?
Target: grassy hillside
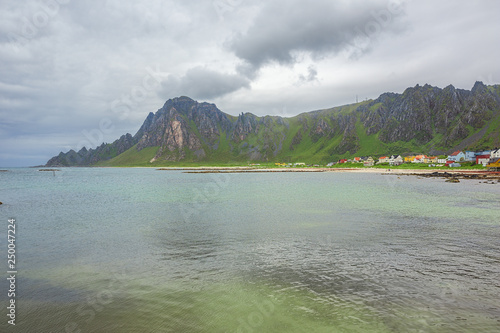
[
  {"x": 322, "y": 151},
  {"x": 132, "y": 157},
  {"x": 426, "y": 120},
  {"x": 229, "y": 153}
]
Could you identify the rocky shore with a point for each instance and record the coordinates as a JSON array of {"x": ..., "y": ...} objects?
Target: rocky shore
[{"x": 454, "y": 177}]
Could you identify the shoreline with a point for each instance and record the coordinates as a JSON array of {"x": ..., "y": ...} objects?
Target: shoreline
[
  {"x": 427, "y": 173},
  {"x": 431, "y": 172}
]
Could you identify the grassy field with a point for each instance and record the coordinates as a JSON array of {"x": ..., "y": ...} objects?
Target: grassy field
[
  {"x": 223, "y": 157},
  {"x": 134, "y": 158}
]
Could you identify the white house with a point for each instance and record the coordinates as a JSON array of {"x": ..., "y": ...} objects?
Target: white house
[
  {"x": 369, "y": 162},
  {"x": 470, "y": 156},
  {"x": 457, "y": 156},
  {"x": 495, "y": 153},
  {"x": 383, "y": 159},
  {"x": 395, "y": 160}
]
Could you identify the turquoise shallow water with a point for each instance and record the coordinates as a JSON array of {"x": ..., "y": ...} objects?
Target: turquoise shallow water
[{"x": 141, "y": 250}]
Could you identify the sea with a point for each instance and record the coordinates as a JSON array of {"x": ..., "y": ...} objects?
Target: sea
[{"x": 144, "y": 250}]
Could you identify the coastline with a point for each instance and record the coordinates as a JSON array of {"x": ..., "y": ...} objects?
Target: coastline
[
  {"x": 453, "y": 174},
  {"x": 431, "y": 172}
]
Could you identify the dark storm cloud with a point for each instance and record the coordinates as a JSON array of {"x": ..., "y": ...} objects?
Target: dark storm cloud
[
  {"x": 202, "y": 83},
  {"x": 320, "y": 27}
]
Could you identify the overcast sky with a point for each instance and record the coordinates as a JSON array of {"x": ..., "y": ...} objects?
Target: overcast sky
[{"x": 76, "y": 73}]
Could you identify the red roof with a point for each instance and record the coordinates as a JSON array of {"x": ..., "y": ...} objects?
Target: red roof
[
  {"x": 456, "y": 153},
  {"x": 482, "y": 157}
]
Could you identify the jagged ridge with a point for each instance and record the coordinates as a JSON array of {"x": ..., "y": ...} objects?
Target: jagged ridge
[{"x": 422, "y": 119}]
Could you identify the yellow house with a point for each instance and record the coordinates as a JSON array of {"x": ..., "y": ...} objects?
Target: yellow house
[
  {"x": 494, "y": 164},
  {"x": 431, "y": 159},
  {"x": 409, "y": 159}
]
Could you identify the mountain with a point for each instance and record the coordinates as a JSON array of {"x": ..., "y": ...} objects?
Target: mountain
[{"x": 422, "y": 119}]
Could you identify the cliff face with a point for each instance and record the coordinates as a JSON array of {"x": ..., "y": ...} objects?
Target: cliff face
[
  {"x": 183, "y": 125},
  {"x": 422, "y": 112},
  {"x": 424, "y": 118}
]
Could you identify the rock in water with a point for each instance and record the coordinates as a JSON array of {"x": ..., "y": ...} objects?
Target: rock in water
[{"x": 452, "y": 180}]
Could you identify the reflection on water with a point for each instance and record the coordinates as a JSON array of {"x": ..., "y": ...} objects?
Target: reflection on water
[{"x": 138, "y": 250}]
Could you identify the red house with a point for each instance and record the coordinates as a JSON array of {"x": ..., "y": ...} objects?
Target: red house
[
  {"x": 482, "y": 159},
  {"x": 343, "y": 160}
]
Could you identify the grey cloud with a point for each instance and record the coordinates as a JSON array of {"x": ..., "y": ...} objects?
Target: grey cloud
[
  {"x": 321, "y": 27},
  {"x": 60, "y": 75},
  {"x": 312, "y": 75},
  {"x": 203, "y": 83}
]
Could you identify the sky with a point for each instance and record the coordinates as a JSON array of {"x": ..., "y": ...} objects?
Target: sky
[{"x": 78, "y": 73}]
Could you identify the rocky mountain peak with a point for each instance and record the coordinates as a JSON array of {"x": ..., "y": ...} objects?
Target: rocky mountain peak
[
  {"x": 426, "y": 118},
  {"x": 479, "y": 87}
]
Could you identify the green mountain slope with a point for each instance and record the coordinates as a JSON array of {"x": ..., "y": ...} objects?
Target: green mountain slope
[{"x": 423, "y": 119}]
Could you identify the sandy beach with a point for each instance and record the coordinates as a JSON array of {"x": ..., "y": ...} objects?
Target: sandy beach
[{"x": 459, "y": 174}]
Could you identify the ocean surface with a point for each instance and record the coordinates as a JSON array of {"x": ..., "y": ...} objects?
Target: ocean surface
[{"x": 141, "y": 250}]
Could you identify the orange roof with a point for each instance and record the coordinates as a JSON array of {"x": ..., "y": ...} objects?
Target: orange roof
[
  {"x": 456, "y": 153},
  {"x": 382, "y": 157}
]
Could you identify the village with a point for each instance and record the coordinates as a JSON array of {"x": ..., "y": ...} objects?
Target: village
[{"x": 489, "y": 159}]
